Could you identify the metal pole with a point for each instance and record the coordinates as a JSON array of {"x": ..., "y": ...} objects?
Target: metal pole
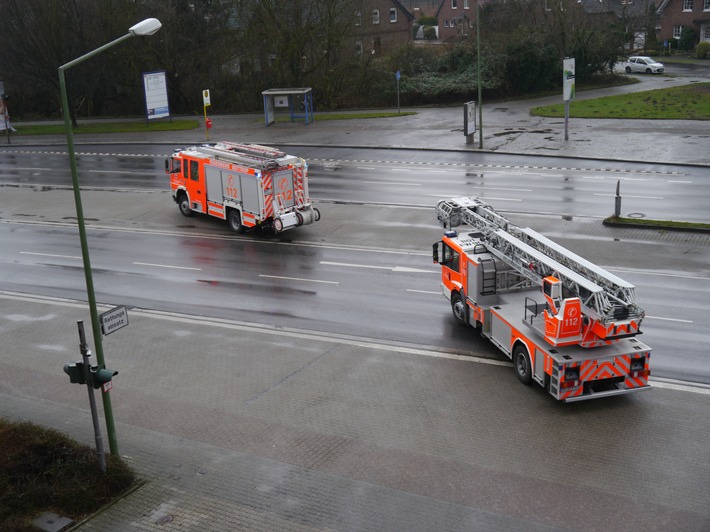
[
  {"x": 478, "y": 67},
  {"x": 566, "y": 119},
  {"x": 95, "y": 324},
  {"x": 4, "y": 114},
  {"x": 85, "y": 354}
]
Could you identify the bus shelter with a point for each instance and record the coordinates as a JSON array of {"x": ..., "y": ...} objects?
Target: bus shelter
[{"x": 298, "y": 101}]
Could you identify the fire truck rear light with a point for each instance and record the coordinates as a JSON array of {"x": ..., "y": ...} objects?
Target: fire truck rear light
[
  {"x": 644, "y": 374},
  {"x": 568, "y": 384}
]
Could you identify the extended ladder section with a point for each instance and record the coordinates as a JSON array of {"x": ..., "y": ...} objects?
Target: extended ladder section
[
  {"x": 248, "y": 154},
  {"x": 535, "y": 257}
]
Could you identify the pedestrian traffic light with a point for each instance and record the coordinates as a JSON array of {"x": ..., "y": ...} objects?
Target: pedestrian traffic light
[
  {"x": 75, "y": 370},
  {"x": 100, "y": 376}
]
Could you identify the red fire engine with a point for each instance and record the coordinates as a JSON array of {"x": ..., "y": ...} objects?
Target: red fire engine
[
  {"x": 246, "y": 184},
  {"x": 566, "y": 323}
]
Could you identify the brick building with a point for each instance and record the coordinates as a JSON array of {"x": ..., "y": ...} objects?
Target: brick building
[
  {"x": 675, "y": 14},
  {"x": 381, "y": 26}
]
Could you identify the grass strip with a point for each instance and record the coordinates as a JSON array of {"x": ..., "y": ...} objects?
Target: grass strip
[
  {"x": 661, "y": 224},
  {"x": 106, "y": 127},
  {"x": 688, "y": 102}
]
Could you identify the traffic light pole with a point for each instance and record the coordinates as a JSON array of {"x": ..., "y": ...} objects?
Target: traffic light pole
[{"x": 85, "y": 354}]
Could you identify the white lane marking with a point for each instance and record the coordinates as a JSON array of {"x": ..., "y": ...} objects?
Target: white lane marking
[
  {"x": 485, "y": 198},
  {"x": 669, "y": 319},
  {"x": 363, "y": 168},
  {"x": 679, "y": 182},
  {"x": 11, "y": 168},
  {"x": 671, "y": 384},
  {"x": 628, "y": 196},
  {"x": 49, "y": 255},
  {"x": 423, "y": 291},
  {"x": 123, "y": 172},
  {"x": 629, "y": 270},
  {"x": 398, "y": 269},
  {"x": 166, "y": 266},
  {"x": 682, "y": 386},
  {"x": 391, "y": 183},
  {"x": 212, "y": 236},
  {"x": 298, "y": 279}
]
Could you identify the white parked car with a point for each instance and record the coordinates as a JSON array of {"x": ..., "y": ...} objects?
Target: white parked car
[{"x": 639, "y": 63}]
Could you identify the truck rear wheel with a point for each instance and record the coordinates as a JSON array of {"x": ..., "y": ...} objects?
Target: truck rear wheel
[
  {"x": 458, "y": 307},
  {"x": 235, "y": 221},
  {"x": 521, "y": 362},
  {"x": 184, "y": 205}
]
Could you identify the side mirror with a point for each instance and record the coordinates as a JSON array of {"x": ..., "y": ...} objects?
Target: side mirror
[{"x": 441, "y": 253}]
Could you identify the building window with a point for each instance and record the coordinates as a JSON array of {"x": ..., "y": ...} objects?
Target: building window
[
  {"x": 706, "y": 5},
  {"x": 358, "y": 18},
  {"x": 358, "y": 47},
  {"x": 454, "y": 4},
  {"x": 465, "y": 4},
  {"x": 687, "y": 5},
  {"x": 706, "y": 33},
  {"x": 446, "y": 23},
  {"x": 393, "y": 14},
  {"x": 677, "y": 30},
  {"x": 375, "y": 16}
]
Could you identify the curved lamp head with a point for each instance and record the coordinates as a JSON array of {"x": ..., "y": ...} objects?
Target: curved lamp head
[{"x": 147, "y": 27}]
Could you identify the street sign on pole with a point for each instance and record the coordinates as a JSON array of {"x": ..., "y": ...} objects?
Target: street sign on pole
[
  {"x": 206, "y": 103},
  {"x": 567, "y": 88},
  {"x": 398, "y": 75},
  {"x": 113, "y": 320}
]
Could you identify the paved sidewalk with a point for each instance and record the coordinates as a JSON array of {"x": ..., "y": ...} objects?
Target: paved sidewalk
[{"x": 508, "y": 127}]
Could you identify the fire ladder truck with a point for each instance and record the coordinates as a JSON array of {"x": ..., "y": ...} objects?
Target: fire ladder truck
[
  {"x": 246, "y": 184},
  {"x": 566, "y": 323}
]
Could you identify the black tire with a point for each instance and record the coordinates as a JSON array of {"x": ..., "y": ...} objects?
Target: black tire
[
  {"x": 458, "y": 307},
  {"x": 278, "y": 225},
  {"x": 628, "y": 70},
  {"x": 299, "y": 218},
  {"x": 316, "y": 214},
  {"x": 184, "y": 206},
  {"x": 522, "y": 365},
  {"x": 235, "y": 221},
  {"x": 648, "y": 71}
]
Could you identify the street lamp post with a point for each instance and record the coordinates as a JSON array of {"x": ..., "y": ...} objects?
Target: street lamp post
[
  {"x": 478, "y": 75},
  {"x": 146, "y": 27}
]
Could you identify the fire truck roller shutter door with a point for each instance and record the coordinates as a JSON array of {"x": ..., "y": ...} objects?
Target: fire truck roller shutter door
[
  {"x": 213, "y": 182},
  {"x": 250, "y": 194},
  {"x": 283, "y": 181}
]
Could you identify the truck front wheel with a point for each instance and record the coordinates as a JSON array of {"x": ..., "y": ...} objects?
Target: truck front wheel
[
  {"x": 523, "y": 367},
  {"x": 458, "y": 307},
  {"x": 184, "y": 205}
]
